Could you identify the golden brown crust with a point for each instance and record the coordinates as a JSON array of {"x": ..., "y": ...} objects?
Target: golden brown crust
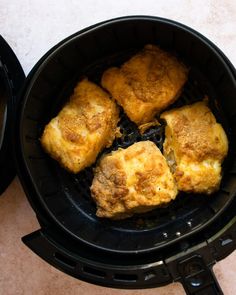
[
  {"x": 195, "y": 146},
  {"x": 147, "y": 83},
  {"x": 85, "y": 125},
  {"x": 132, "y": 180}
]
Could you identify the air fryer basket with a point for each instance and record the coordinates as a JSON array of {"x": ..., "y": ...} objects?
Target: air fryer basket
[
  {"x": 66, "y": 197},
  {"x": 11, "y": 80},
  {"x": 180, "y": 242}
]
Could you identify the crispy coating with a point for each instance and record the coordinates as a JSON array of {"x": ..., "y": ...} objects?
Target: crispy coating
[
  {"x": 195, "y": 147},
  {"x": 85, "y": 125},
  {"x": 132, "y": 180},
  {"x": 146, "y": 84}
]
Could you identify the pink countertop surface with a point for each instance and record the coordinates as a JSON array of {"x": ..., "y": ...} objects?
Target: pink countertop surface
[{"x": 31, "y": 28}]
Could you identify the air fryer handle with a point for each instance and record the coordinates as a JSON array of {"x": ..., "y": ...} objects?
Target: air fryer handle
[
  {"x": 202, "y": 285},
  {"x": 193, "y": 266},
  {"x": 197, "y": 278}
]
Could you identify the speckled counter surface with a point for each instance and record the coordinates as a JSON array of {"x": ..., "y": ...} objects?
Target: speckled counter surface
[{"x": 31, "y": 28}]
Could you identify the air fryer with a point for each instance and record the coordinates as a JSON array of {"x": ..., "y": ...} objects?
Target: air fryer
[{"x": 180, "y": 242}]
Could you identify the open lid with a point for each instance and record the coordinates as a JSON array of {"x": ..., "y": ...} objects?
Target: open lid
[{"x": 12, "y": 79}]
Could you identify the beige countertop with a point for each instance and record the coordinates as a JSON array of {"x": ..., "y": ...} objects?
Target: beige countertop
[{"x": 32, "y": 27}]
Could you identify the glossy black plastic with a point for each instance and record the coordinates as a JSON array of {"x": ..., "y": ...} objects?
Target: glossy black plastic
[{"x": 11, "y": 81}]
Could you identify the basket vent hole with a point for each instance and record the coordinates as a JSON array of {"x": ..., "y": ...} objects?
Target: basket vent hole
[
  {"x": 64, "y": 260},
  {"x": 95, "y": 272},
  {"x": 126, "y": 277}
]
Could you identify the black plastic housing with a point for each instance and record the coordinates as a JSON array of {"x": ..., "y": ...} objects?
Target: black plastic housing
[
  {"x": 11, "y": 81},
  {"x": 72, "y": 237}
]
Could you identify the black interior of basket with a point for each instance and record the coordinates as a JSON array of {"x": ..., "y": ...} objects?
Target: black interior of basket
[{"x": 66, "y": 196}]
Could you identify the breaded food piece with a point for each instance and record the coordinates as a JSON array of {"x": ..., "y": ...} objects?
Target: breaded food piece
[
  {"x": 195, "y": 147},
  {"x": 147, "y": 83},
  {"x": 85, "y": 125},
  {"x": 132, "y": 180}
]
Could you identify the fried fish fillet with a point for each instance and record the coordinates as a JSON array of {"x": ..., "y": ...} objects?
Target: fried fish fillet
[
  {"x": 195, "y": 147},
  {"x": 132, "y": 180},
  {"x": 85, "y": 125},
  {"x": 147, "y": 83}
]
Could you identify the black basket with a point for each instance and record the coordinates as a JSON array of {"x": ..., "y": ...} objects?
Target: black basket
[
  {"x": 11, "y": 80},
  {"x": 65, "y": 199}
]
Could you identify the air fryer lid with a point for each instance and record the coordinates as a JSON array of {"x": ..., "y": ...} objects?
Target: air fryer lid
[
  {"x": 65, "y": 197},
  {"x": 11, "y": 80}
]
